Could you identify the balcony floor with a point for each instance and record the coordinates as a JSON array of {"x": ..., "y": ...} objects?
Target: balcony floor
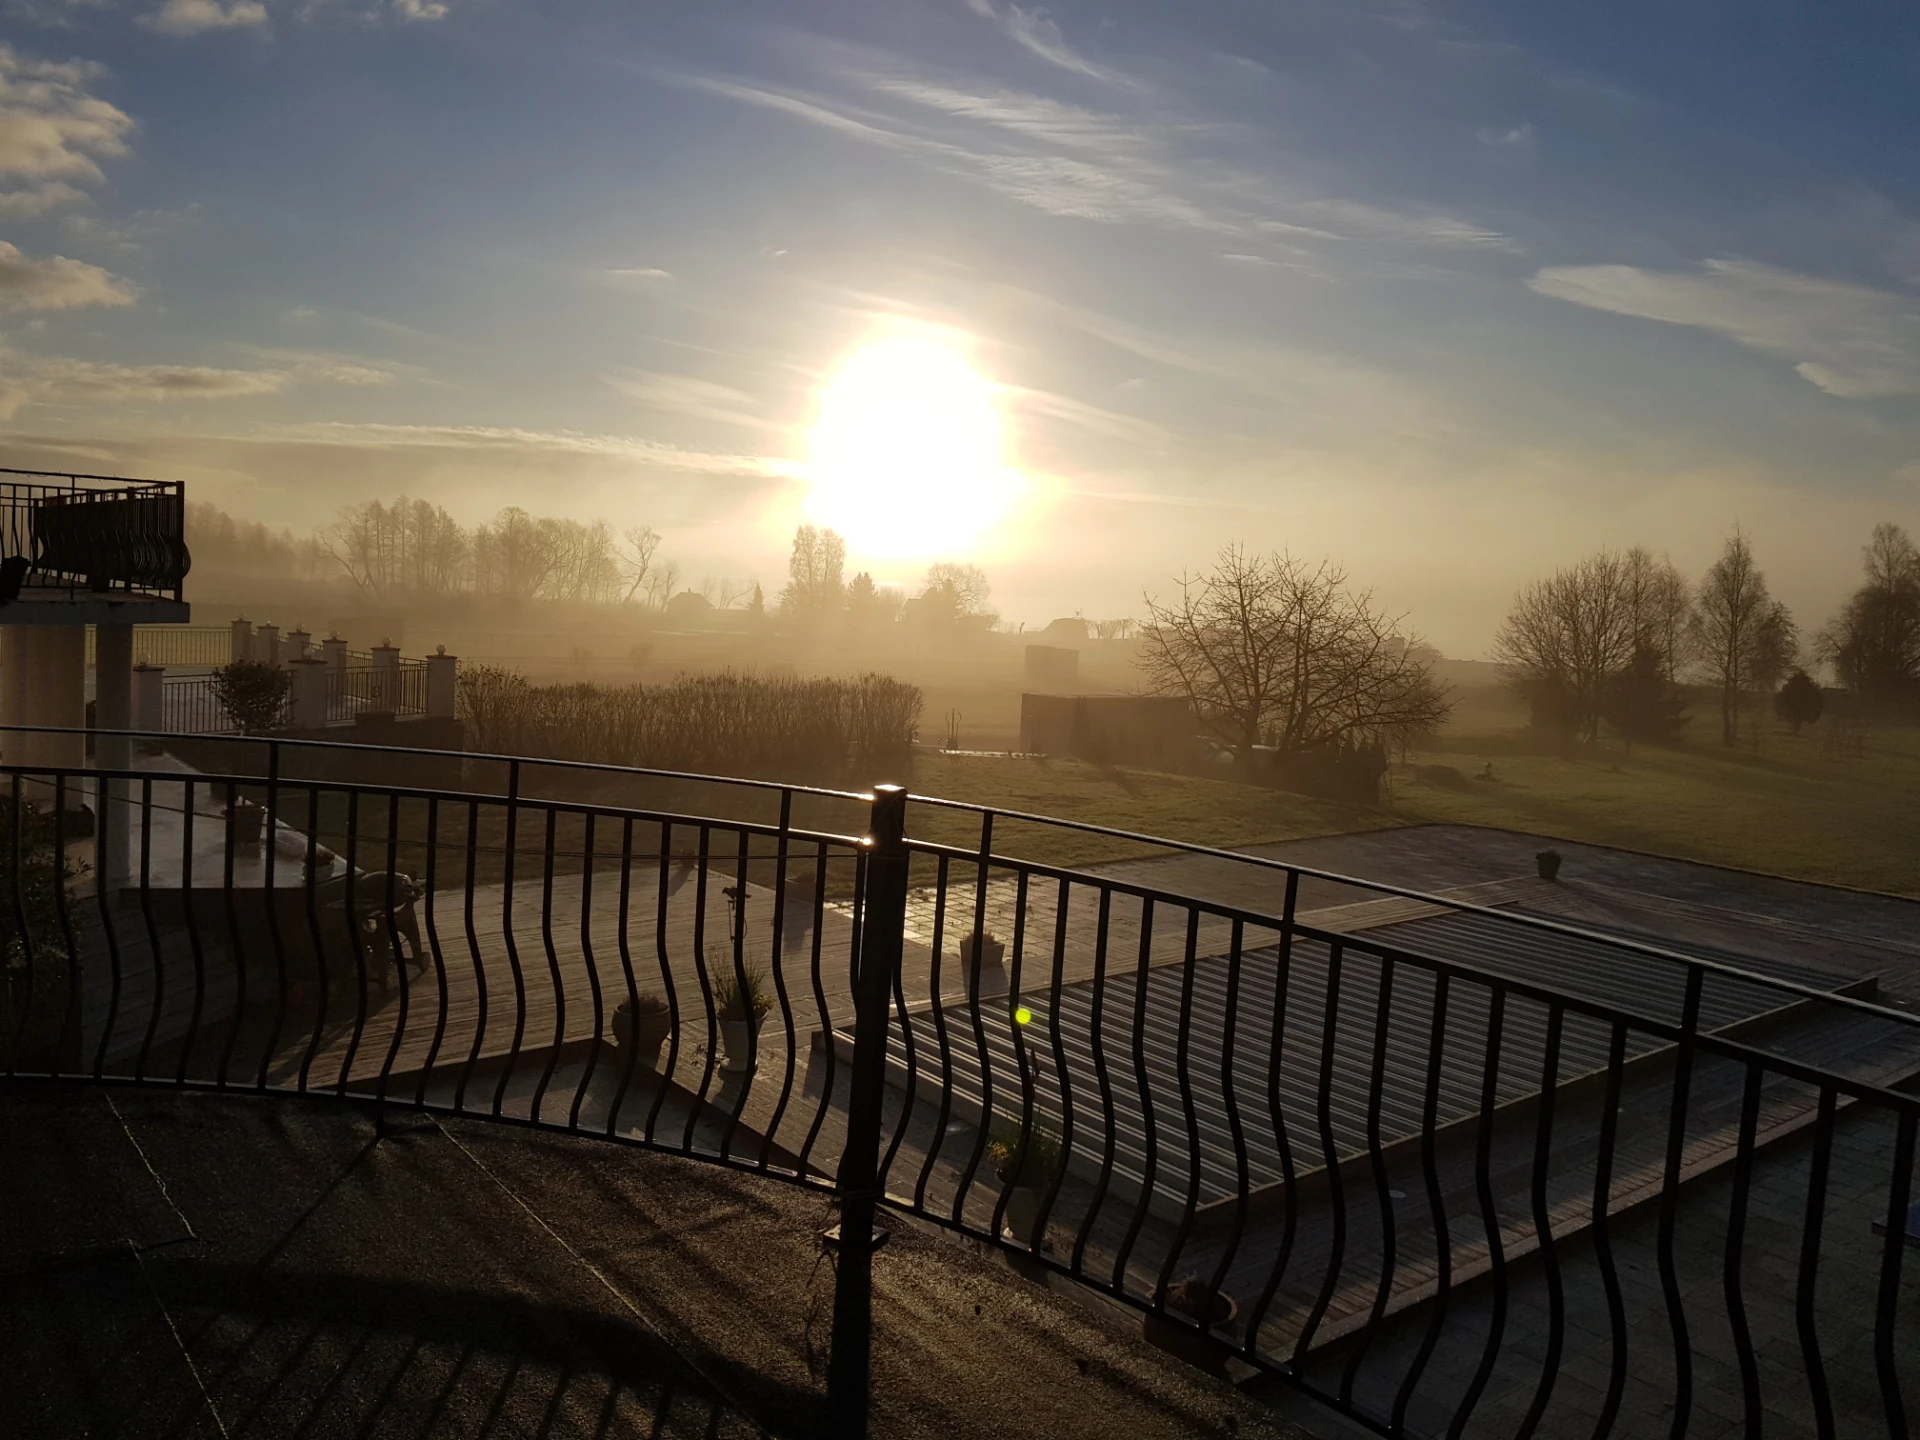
[{"x": 197, "y": 1266}]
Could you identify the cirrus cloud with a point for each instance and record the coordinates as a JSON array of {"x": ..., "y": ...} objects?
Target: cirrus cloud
[{"x": 1850, "y": 340}]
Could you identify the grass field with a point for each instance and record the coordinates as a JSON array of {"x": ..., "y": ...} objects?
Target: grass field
[{"x": 1786, "y": 809}]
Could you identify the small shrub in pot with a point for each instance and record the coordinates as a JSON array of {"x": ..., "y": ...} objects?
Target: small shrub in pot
[
  {"x": 742, "y": 997},
  {"x": 643, "y": 1022}
]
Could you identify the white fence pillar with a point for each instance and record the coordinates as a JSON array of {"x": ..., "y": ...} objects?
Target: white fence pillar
[
  {"x": 384, "y": 693},
  {"x": 266, "y": 645},
  {"x": 442, "y": 683},
  {"x": 334, "y": 650},
  {"x": 309, "y": 692},
  {"x": 242, "y": 640},
  {"x": 147, "y": 690},
  {"x": 299, "y": 643}
]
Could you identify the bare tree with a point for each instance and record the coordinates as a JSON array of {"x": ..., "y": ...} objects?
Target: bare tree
[
  {"x": 1873, "y": 645},
  {"x": 1112, "y": 629},
  {"x": 1567, "y": 636},
  {"x": 638, "y": 547},
  {"x": 814, "y": 569},
  {"x": 1268, "y": 647},
  {"x": 956, "y": 591},
  {"x": 1734, "y": 620}
]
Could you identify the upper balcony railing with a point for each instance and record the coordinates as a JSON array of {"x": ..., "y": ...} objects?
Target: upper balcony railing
[{"x": 72, "y": 537}]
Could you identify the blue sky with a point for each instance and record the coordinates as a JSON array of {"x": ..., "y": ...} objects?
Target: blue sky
[{"x": 1450, "y": 292}]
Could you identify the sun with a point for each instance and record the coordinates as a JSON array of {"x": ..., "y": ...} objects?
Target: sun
[{"x": 907, "y": 450}]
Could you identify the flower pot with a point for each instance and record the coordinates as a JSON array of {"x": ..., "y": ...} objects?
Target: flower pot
[
  {"x": 1174, "y": 1333},
  {"x": 1022, "y": 1216},
  {"x": 980, "y": 962},
  {"x": 742, "y": 1044},
  {"x": 248, "y": 821},
  {"x": 1548, "y": 864},
  {"x": 645, "y": 1032}
]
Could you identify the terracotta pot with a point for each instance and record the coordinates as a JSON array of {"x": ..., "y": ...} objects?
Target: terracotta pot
[
  {"x": 1172, "y": 1333},
  {"x": 742, "y": 1044}
]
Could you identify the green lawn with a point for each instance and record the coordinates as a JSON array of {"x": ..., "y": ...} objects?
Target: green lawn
[{"x": 1786, "y": 810}]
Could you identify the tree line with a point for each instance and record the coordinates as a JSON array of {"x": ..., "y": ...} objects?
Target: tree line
[{"x": 1612, "y": 638}]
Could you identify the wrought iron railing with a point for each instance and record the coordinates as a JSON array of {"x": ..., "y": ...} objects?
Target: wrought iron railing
[
  {"x": 67, "y": 535},
  {"x": 1461, "y": 1172},
  {"x": 195, "y": 704},
  {"x": 358, "y": 690},
  {"x": 181, "y": 647}
]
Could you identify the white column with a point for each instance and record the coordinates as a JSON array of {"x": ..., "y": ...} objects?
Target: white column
[
  {"x": 386, "y": 676},
  {"x": 299, "y": 643},
  {"x": 266, "y": 645},
  {"x": 16, "y": 644},
  {"x": 113, "y": 710},
  {"x": 46, "y": 684},
  {"x": 335, "y": 651},
  {"x": 442, "y": 683},
  {"x": 148, "y": 713},
  {"x": 242, "y": 640},
  {"x": 309, "y": 692}
]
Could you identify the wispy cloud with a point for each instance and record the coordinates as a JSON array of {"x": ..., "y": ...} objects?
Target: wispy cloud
[
  {"x": 1850, "y": 340},
  {"x": 31, "y": 380},
  {"x": 1081, "y": 163},
  {"x": 501, "y": 440},
  {"x": 639, "y": 278},
  {"x": 58, "y": 283},
  {"x": 688, "y": 396},
  {"x": 191, "y": 17},
  {"x": 1035, "y": 32}
]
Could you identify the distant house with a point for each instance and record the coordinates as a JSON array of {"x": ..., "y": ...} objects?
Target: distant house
[
  {"x": 1070, "y": 630},
  {"x": 689, "y": 607},
  {"x": 1149, "y": 730}
]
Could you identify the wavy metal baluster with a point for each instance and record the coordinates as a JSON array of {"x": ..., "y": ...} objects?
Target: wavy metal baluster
[
  {"x": 1436, "y": 1207},
  {"x": 1276, "y": 1053},
  {"x": 146, "y": 914},
  {"x": 1736, "y": 1248},
  {"x": 1150, "y": 1137},
  {"x": 323, "y": 981},
  {"x": 1886, "y": 1313},
  {"x": 195, "y": 951},
  {"x": 1603, "y": 1232},
  {"x": 1383, "y": 1193},
  {"x": 21, "y": 926},
  {"x": 941, "y": 1041},
  {"x": 356, "y": 943},
  {"x": 739, "y": 949},
  {"x": 593, "y": 974},
  {"x": 554, "y": 974},
  {"x": 974, "y": 1002},
  {"x": 508, "y": 941},
  {"x": 391, "y": 937},
  {"x": 1023, "y": 1068},
  {"x": 1543, "y": 1223},
  {"x": 704, "y": 860},
  {"x": 431, "y": 881},
  {"x": 1330, "y": 1157},
  {"x": 1804, "y": 1294},
  {"x": 668, "y": 1068},
  {"x": 472, "y": 929},
  {"x": 1229, "y": 1088},
  {"x": 1670, "y": 1205},
  {"x": 1489, "y": 1213},
  {"x": 828, "y": 1058},
  {"x": 236, "y": 949},
  {"x": 782, "y": 996},
  {"x": 1189, "y": 1111},
  {"x": 103, "y": 883},
  {"x": 625, "y": 947},
  {"x": 1061, "y": 1071},
  {"x": 1096, "y": 1044},
  {"x": 68, "y": 1040}
]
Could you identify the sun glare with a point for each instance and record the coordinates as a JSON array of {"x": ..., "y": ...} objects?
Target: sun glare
[{"x": 907, "y": 451}]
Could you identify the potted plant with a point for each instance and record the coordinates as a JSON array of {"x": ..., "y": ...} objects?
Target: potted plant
[
  {"x": 248, "y": 821},
  {"x": 1192, "y": 1303},
  {"x": 1026, "y": 1161},
  {"x": 981, "y": 954},
  {"x": 1548, "y": 864},
  {"x": 741, "y": 1006},
  {"x": 643, "y": 1022}
]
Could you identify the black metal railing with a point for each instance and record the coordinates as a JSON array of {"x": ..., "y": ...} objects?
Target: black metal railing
[
  {"x": 196, "y": 704},
  {"x": 357, "y": 690},
  {"x": 64, "y": 536},
  {"x": 1458, "y": 1173}
]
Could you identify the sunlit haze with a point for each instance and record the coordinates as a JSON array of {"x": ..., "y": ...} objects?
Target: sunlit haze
[{"x": 909, "y": 453}]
